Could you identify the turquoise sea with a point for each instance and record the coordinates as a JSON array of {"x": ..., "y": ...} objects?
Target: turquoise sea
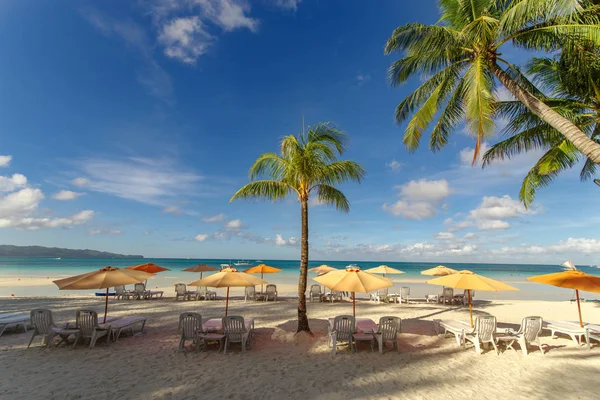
[{"x": 38, "y": 273}]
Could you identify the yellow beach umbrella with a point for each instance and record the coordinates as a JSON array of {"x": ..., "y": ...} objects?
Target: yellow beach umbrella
[
  {"x": 352, "y": 279},
  {"x": 200, "y": 268},
  {"x": 440, "y": 270},
  {"x": 470, "y": 281},
  {"x": 384, "y": 269},
  {"x": 228, "y": 277},
  {"x": 322, "y": 269},
  {"x": 262, "y": 269},
  {"x": 572, "y": 279},
  {"x": 103, "y": 278}
]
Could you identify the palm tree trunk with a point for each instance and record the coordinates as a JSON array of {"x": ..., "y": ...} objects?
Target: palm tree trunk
[
  {"x": 568, "y": 129},
  {"x": 302, "y": 318}
]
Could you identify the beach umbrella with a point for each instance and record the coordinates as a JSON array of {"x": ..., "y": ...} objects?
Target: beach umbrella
[
  {"x": 470, "y": 281},
  {"x": 384, "y": 269},
  {"x": 322, "y": 269},
  {"x": 201, "y": 268},
  {"x": 571, "y": 279},
  {"x": 262, "y": 269},
  {"x": 149, "y": 267},
  {"x": 103, "y": 278},
  {"x": 440, "y": 270},
  {"x": 228, "y": 278},
  {"x": 352, "y": 279}
]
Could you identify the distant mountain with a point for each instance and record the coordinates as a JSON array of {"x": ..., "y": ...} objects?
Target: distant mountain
[{"x": 40, "y": 251}]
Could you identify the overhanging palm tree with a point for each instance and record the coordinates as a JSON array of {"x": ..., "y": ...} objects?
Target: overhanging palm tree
[
  {"x": 460, "y": 56},
  {"x": 573, "y": 94},
  {"x": 307, "y": 166}
]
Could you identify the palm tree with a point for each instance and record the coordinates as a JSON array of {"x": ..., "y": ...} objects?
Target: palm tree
[
  {"x": 573, "y": 94},
  {"x": 307, "y": 165},
  {"x": 460, "y": 56}
]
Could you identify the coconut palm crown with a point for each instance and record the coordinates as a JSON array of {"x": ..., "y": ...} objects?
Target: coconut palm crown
[
  {"x": 307, "y": 165},
  {"x": 461, "y": 61}
]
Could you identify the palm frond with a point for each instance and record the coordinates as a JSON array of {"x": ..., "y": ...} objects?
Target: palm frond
[
  {"x": 340, "y": 171},
  {"x": 448, "y": 119},
  {"x": 269, "y": 164},
  {"x": 327, "y": 194},
  {"x": 270, "y": 190},
  {"x": 520, "y": 13},
  {"x": 327, "y": 133},
  {"x": 422, "y": 37}
]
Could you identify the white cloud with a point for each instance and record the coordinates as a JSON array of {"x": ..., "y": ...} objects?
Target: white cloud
[
  {"x": 470, "y": 235},
  {"x": 214, "y": 218},
  {"x": 234, "y": 225},
  {"x": 425, "y": 190},
  {"x": 402, "y": 208},
  {"x": 444, "y": 236},
  {"x": 453, "y": 226},
  {"x": 279, "y": 240},
  {"x": 66, "y": 195},
  {"x": 146, "y": 180},
  {"x": 5, "y": 161},
  {"x": 79, "y": 182},
  {"x": 201, "y": 237},
  {"x": 315, "y": 202},
  {"x": 492, "y": 212},
  {"x": 172, "y": 210},
  {"x": 185, "y": 39},
  {"x": 394, "y": 165},
  {"x": 492, "y": 225},
  {"x": 110, "y": 232},
  {"x": 419, "y": 199},
  {"x": 564, "y": 247},
  {"x": 8, "y": 184},
  {"x": 228, "y": 14},
  {"x": 361, "y": 79}
]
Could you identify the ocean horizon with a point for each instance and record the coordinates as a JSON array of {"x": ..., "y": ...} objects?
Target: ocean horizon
[{"x": 32, "y": 276}]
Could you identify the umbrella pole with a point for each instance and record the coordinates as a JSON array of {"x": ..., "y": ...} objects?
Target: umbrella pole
[
  {"x": 579, "y": 308},
  {"x": 354, "y": 304},
  {"x": 227, "y": 302},
  {"x": 106, "y": 306},
  {"x": 261, "y": 285},
  {"x": 470, "y": 307}
]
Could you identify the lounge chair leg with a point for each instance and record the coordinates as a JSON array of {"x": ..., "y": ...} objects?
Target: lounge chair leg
[
  {"x": 226, "y": 343},
  {"x": 31, "y": 340}
]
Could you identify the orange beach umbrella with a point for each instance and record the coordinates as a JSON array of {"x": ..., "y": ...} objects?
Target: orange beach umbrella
[
  {"x": 103, "y": 278},
  {"x": 470, "y": 281},
  {"x": 201, "y": 268},
  {"x": 262, "y": 269},
  {"x": 572, "y": 279}
]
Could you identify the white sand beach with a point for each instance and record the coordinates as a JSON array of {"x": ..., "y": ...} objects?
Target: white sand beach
[{"x": 281, "y": 365}]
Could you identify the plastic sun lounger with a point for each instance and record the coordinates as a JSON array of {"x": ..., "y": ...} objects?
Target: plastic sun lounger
[
  {"x": 14, "y": 320},
  {"x": 572, "y": 329},
  {"x": 455, "y": 327},
  {"x": 126, "y": 323}
]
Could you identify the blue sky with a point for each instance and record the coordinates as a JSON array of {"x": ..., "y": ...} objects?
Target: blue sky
[{"x": 127, "y": 126}]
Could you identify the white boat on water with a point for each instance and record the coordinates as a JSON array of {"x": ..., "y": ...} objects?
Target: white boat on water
[{"x": 240, "y": 263}]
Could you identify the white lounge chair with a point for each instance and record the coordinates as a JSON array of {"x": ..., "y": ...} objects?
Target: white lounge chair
[
  {"x": 447, "y": 296},
  {"x": 86, "y": 322},
  {"x": 142, "y": 293},
  {"x": 271, "y": 292},
  {"x": 334, "y": 295},
  {"x": 182, "y": 292},
  {"x": 122, "y": 293},
  {"x": 235, "y": 332},
  {"x": 380, "y": 295},
  {"x": 204, "y": 293},
  {"x": 127, "y": 323},
  {"x": 572, "y": 329},
  {"x": 13, "y": 320},
  {"x": 389, "y": 329},
  {"x": 453, "y": 326},
  {"x": 592, "y": 333},
  {"x": 527, "y": 335},
  {"x": 250, "y": 293},
  {"x": 42, "y": 323},
  {"x": 190, "y": 323},
  {"x": 404, "y": 294},
  {"x": 315, "y": 293},
  {"x": 342, "y": 331},
  {"x": 484, "y": 333}
]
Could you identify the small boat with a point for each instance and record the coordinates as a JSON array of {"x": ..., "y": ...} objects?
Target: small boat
[
  {"x": 103, "y": 294},
  {"x": 240, "y": 263},
  {"x": 225, "y": 266}
]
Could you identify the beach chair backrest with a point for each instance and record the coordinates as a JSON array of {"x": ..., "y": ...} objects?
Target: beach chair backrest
[
  {"x": 404, "y": 291},
  {"x": 315, "y": 290},
  {"x": 448, "y": 292},
  {"x": 41, "y": 320},
  {"x": 190, "y": 323},
  {"x": 383, "y": 292},
  {"x": 466, "y": 294},
  {"x": 250, "y": 291},
  {"x": 119, "y": 290},
  {"x": 202, "y": 290},
  {"x": 233, "y": 327},
  {"x": 485, "y": 328},
  {"x": 140, "y": 288},
  {"x": 86, "y": 321},
  {"x": 343, "y": 326},
  {"x": 271, "y": 288},
  {"x": 531, "y": 328},
  {"x": 180, "y": 289},
  {"x": 389, "y": 327}
]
